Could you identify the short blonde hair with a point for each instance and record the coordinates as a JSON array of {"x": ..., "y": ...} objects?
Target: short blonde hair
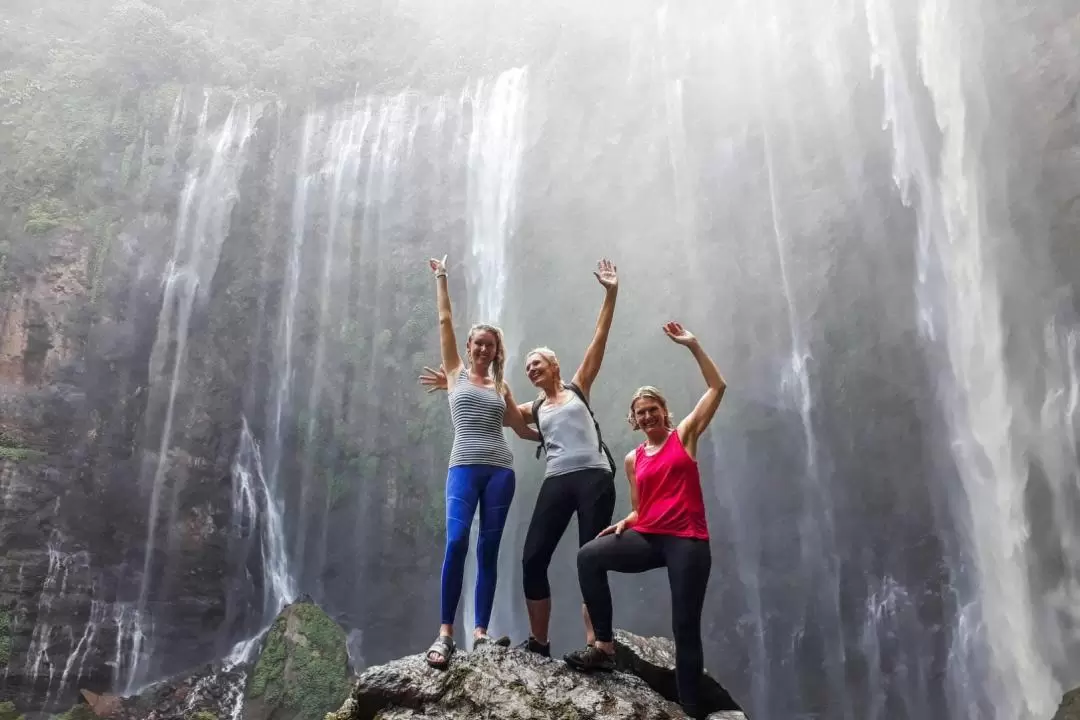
[
  {"x": 549, "y": 355},
  {"x": 651, "y": 393}
]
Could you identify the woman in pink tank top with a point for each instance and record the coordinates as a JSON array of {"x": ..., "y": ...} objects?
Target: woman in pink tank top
[{"x": 666, "y": 528}]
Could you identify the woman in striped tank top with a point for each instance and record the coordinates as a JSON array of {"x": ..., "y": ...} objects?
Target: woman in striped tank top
[
  {"x": 481, "y": 465},
  {"x": 579, "y": 469}
]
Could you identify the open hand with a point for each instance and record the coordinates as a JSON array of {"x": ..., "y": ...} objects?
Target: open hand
[
  {"x": 434, "y": 379},
  {"x": 679, "y": 334},
  {"x": 618, "y": 529},
  {"x": 605, "y": 273},
  {"x": 438, "y": 266}
]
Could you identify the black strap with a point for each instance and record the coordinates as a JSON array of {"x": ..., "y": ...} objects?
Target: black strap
[{"x": 581, "y": 395}]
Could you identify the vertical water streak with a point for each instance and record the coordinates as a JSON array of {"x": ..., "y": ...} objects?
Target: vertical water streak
[
  {"x": 960, "y": 310},
  {"x": 342, "y": 155},
  {"x": 52, "y": 588},
  {"x": 209, "y": 194},
  {"x": 816, "y": 526},
  {"x": 495, "y": 154},
  {"x": 255, "y": 495}
]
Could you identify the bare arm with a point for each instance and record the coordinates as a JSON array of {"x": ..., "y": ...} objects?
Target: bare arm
[
  {"x": 451, "y": 360},
  {"x": 694, "y": 424},
  {"x": 437, "y": 380},
  {"x": 515, "y": 420},
  {"x": 594, "y": 354}
]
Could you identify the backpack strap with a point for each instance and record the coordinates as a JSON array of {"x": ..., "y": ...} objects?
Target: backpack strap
[{"x": 536, "y": 420}]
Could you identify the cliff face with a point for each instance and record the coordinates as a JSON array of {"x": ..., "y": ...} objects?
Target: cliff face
[{"x": 213, "y": 304}]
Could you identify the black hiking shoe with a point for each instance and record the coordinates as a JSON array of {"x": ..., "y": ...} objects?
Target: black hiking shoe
[
  {"x": 590, "y": 659},
  {"x": 534, "y": 645}
]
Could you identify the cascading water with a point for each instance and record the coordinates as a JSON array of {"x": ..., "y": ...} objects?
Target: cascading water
[
  {"x": 891, "y": 479},
  {"x": 1002, "y": 659},
  {"x": 495, "y": 150},
  {"x": 206, "y": 202}
]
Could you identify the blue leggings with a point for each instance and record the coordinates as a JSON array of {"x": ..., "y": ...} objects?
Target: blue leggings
[{"x": 466, "y": 486}]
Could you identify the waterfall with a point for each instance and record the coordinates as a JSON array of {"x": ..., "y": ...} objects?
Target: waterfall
[
  {"x": 206, "y": 203},
  {"x": 257, "y": 507},
  {"x": 999, "y": 664},
  {"x": 495, "y": 150}
]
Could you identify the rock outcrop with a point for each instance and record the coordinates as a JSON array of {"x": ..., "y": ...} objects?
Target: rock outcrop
[
  {"x": 495, "y": 682},
  {"x": 1070, "y": 706},
  {"x": 303, "y": 669}
]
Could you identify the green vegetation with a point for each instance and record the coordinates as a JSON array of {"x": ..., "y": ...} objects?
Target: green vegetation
[
  {"x": 5, "y": 643},
  {"x": 8, "y": 712},
  {"x": 303, "y": 667},
  {"x": 79, "y": 712},
  {"x": 18, "y": 454},
  {"x": 202, "y": 715}
]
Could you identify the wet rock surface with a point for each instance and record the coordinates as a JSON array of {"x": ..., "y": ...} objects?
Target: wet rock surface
[{"x": 495, "y": 682}]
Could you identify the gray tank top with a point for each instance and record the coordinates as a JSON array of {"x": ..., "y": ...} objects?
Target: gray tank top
[
  {"x": 570, "y": 438},
  {"x": 477, "y": 413}
]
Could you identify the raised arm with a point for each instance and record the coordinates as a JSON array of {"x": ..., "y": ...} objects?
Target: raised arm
[
  {"x": 515, "y": 419},
  {"x": 451, "y": 360},
  {"x": 694, "y": 424},
  {"x": 630, "y": 465},
  {"x": 594, "y": 354},
  {"x": 436, "y": 380}
]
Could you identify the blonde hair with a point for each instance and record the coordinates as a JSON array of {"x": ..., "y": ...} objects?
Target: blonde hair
[
  {"x": 549, "y": 355},
  {"x": 500, "y": 352},
  {"x": 651, "y": 393}
]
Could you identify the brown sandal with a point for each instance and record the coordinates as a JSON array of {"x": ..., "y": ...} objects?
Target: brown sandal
[{"x": 444, "y": 647}]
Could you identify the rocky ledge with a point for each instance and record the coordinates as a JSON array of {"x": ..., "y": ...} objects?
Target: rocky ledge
[{"x": 495, "y": 682}]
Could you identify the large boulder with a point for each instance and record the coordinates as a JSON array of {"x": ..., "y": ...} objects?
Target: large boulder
[
  {"x": 303, "y": 669},
  {"x": 1070, "y": 706},
  {"x": 495, "y": 682},
  {"x": 653, "y": 660}
]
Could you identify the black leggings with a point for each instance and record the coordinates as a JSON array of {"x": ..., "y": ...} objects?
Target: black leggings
[
  {"x": 589, "y": 493},
  {"x": 688, "y": 562}
]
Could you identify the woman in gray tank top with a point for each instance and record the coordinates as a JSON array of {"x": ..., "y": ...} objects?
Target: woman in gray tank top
[
  {"x": 481, "y": 469},
  {"x": 578, "y": 473}
]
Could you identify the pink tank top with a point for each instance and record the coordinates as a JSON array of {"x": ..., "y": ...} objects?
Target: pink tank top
[{"x": 670, "y": 501}]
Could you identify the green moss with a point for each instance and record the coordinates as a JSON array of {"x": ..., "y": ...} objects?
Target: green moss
[
  {"x": 202, "y": 715},
  {"x": 44, "y": 216},
  {"x": 303, "y": 666},
  {"x": 79, "y": 712},
  {"x": 8, "y": 712},
  {"x": 17, "y": 454},
  {"x": 5, "y": 644}
]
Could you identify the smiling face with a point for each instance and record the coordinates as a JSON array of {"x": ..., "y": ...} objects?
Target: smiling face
[
  {"x": 649, "y": 412},
  {"x": 542, "y": 367},
  {"x": 483, "y": 348}
]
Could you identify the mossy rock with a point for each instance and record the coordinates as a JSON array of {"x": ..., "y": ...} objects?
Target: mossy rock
[
  {"x": 202, "y": 715},
  {"x": 5, "y": 646},
  {"x": 8, "y": 712},
  {"x": 302, "y": 672},
  {"x": 79, "y": 712}
]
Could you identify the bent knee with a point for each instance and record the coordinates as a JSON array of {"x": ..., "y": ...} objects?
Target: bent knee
[{"x": 590, "y": 556}]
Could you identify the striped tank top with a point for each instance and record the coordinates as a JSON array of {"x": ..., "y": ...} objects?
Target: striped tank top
[{"x": 477, "y": 413}]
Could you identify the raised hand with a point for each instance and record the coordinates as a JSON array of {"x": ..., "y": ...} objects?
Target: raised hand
[
  {"x": 605, "y": 273},
  {"x": 438, "y": 266},
  {"x": 679, "y": 334},
  {"x": 434, "y": 379}
]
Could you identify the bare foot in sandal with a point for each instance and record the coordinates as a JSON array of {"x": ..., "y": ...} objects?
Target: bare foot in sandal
[{"x": 438, "y": 655}]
